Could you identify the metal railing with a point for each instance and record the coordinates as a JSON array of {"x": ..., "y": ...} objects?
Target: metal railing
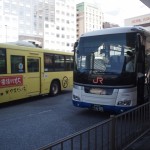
[{"x": 116, "y": 133}]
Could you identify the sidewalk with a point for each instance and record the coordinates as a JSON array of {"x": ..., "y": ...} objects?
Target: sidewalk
[{"x": 141, "y": 144}]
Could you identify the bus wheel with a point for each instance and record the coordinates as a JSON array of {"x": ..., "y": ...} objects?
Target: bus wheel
[{"x": 55, "y": 88}]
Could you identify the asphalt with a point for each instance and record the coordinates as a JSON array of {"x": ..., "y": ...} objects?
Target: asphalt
[{"x": 142, "y": 143}]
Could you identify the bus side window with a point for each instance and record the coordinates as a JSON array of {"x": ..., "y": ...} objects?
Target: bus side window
[
  {"x": 17, "y": 64},
  {"x": 33, "y": 65},
  {"x": 48, "y": 62},
  {"x": 68, "y": 63},
  {"x": 59, "y": 63},
  {"x": 3, "y": 67}
]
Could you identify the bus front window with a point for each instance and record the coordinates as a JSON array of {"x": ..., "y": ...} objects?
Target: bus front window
[{"x": 105, "y": 53}]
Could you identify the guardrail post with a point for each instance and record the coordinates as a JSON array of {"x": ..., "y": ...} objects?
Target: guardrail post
[{"x": 112, "y": 132}]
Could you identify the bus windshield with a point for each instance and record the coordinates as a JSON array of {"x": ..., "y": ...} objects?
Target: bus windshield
[{"x": 104, "y": 54}]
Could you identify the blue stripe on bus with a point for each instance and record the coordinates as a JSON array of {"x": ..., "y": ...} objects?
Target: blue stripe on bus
[{"x": 106, "y": 108}]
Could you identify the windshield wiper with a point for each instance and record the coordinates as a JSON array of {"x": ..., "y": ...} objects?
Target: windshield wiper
[
  {"x": 112, "y": 72},
  {"x": 95, "y": 71},
  {"x": 105, "y": 72}
]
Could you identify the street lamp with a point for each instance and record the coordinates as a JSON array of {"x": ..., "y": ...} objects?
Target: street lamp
[{"x": 6, "y": 32}]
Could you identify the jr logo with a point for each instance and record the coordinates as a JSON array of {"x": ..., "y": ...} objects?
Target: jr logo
[{"x": 98, "y": 80}]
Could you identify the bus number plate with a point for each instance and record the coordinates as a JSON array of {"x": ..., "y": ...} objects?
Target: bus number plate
[{"x": 98, "y": 108}]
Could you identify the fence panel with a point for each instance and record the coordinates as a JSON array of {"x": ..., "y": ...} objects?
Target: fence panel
[{"x": 118, "y": 132}]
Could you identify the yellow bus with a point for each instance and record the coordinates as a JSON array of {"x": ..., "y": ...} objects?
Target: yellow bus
[{"x": 29, "y": 71}]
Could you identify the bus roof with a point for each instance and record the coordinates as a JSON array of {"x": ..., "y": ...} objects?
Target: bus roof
[
  {"x": 117, "y": 30},
  {"x": 31, "y": 49}
]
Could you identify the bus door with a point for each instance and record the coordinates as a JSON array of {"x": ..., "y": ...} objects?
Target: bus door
[{"x": 33, "y": 76}]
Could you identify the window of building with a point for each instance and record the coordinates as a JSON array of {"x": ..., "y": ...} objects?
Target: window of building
[
  {"x": 57, "y": 27},
  {"x": 57, "y": 35},
  {"x": 40, "y": 17},
  {"x": 7, "y": 19},
  {"x": 57, "y": 3},
  {"x": 47, "y": 41},
  {"x": 63, "y": 28},
  {"x": 52, "y": 33},
  {"x": 57, "y": 19},
  {"x": 17, "y": 64},
  {"x": 46, "y": 25},
  {"x": 68, "y": 6},
  {"x": 67, "y": 21},
  {"x": 68, "y": 36},
  {"x": 62, "y": 12},
  {"x": 46, "y": 18},
  {"x": 52, "y": 26},
  {"x": 57, "y": 11},
  {"x": 63, "y": 43},
  {"x": 63, "y": 20},
  {"x": 46, "y": 33}
]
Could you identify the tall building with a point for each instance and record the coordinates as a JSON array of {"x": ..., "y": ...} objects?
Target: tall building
[
  {"x": 109, "y": 25},
  {"x": 59, "y": 26},
  {"x": 55, "y": 22},
  {"x": 44, "y": 10},
  {"x": 89, "y": 18},
  {"x": 18, "y": 16},
  {"x": 8, "y": 22},
  {"x": 49, "y": 23},
  {"x": 8, "y": 28}
]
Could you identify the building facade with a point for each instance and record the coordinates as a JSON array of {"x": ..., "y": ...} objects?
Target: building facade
[
  {"x": 49, "y": 23},
  {"x": 8, "y": 21},
  {"x": 8, "y": 28},
  {"x": 60, "y": 30},
  {"x": 143, "y": 21},
  {"x": 109, "y": 25},
  {"x": 17, "y": 16},
  {"x": 89, "y": 18}
]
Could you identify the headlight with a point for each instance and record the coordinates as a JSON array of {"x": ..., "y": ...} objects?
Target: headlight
[
  {"x": 124, "y": 103},
  {"x": 75, "y": 97}
]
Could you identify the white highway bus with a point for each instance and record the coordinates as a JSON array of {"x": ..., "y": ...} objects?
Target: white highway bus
[{"x": 102, "y": 80}]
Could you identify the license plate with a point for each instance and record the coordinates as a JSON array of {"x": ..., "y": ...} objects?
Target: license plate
[{"x": 98, "y": 108}]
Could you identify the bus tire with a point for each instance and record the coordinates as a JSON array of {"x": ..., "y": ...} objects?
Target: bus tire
[{"x": 54, "y": 88}]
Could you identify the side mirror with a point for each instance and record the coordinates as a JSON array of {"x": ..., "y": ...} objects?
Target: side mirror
[
  {"x": 138, "y": 41},
  {"x": 75, "y": 45},
  {"x": 140, "y": 48}
]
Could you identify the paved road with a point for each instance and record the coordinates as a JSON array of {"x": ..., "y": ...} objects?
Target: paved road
[{"x": 35, "y": 122}]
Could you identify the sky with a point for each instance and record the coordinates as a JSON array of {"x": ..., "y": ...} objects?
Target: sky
[{"x": 115, "y": 11}]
